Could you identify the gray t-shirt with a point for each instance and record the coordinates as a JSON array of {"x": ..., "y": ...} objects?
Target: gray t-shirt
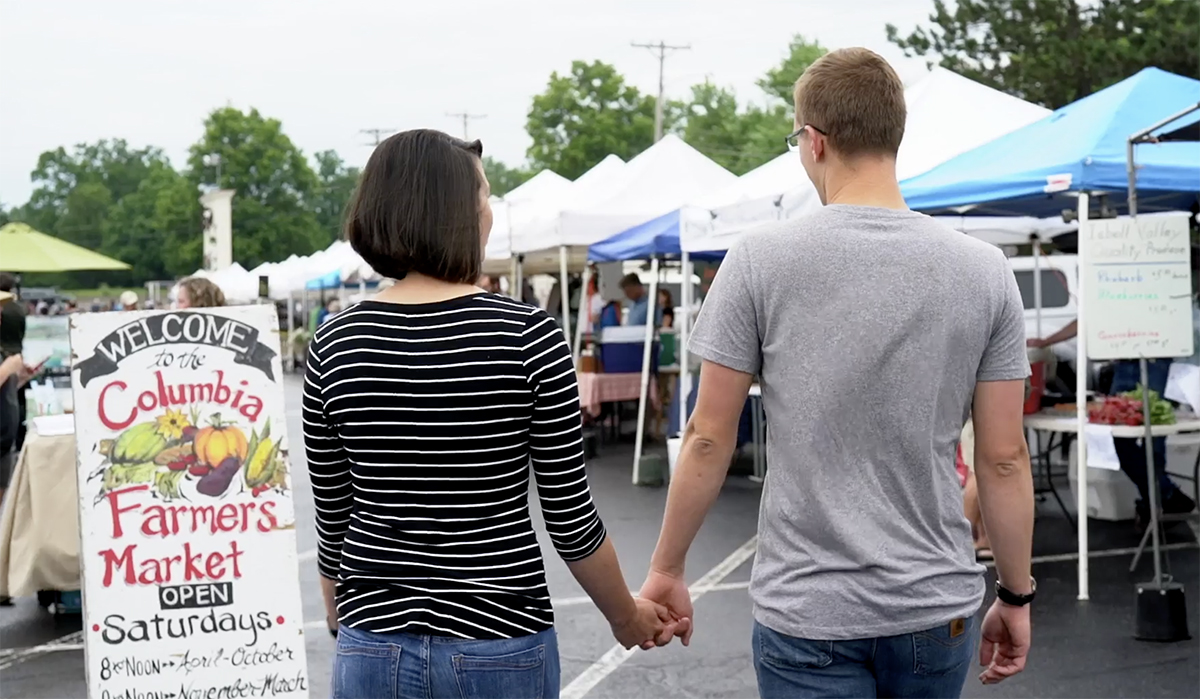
[{"x": 869, "y": 329}]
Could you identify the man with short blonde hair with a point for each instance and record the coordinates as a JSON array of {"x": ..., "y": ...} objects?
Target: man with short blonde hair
[{"x": 875, "y": 332}]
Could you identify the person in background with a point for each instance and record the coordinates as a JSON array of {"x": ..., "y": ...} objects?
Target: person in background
[
  {"x": 12, "y": 317},
  {"x": 865, "y": 582},
  {"x": 12, "y": 341},
  {"x": 128, "y": 301},
  {"x": 325, "y": 312},
  {"x": 1127, "y": 376},
  {"x": 489, "y": 284},
  {"x": 639, "y": 308},
  {"x": 198, "y": 292},
  {"x": 666, "y": 306},
  {"x": 594, "y": 303},
  {"x": 966, "y": 462},
  {"x": 425, "y": 410}
]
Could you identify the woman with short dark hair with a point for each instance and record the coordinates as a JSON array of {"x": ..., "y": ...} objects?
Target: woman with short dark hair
[{"x": 424, "y": 408}]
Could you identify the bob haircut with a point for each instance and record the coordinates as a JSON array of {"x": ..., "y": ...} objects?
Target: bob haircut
[{"x": 416, "y": 208}]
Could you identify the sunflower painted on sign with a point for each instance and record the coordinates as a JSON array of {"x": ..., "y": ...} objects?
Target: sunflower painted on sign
[{"x": 171, "y": 424}]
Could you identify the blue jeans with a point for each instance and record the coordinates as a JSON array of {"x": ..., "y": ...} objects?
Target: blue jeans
[
  {"x": 403, "y": 666},
  {"x": 1127, "y": 374},
  {"x": 928, "y": 664}
]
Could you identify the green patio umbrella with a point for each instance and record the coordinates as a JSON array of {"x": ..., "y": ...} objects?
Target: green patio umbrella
[{"x": 22, "y": 249}]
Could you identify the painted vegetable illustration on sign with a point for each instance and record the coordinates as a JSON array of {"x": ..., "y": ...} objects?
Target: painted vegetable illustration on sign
[
  {"x": 180, "y": 461},
  {"x": 218, "y": 441}
]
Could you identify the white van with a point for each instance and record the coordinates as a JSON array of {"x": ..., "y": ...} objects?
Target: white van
[{"x": 1060, "y": 286}]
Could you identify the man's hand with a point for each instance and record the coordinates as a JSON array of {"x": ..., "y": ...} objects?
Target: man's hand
[
  {"x": 650, "y": 626},
  {"x": 1005, "y": 642},
  {"x": 671, "y": 592},
  {"x": 1036, "y": 343}
]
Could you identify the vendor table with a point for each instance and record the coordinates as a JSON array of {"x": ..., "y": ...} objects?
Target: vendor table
[
  {"x": 1065, "y": 423},
  {"x": 39, "y": 532},
  {"x": 597, "y": 389}
]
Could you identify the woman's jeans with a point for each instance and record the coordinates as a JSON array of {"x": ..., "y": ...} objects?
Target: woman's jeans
[
  {"x": 391, "y": 666},
  {"x": 930, "y": 664},
  {"x": 1127, "y": 374}
]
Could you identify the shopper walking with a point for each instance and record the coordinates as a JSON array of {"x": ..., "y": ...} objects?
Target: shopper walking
[
  {"x": 423, "y": 410},
  {"x": 875, "y": 330}
]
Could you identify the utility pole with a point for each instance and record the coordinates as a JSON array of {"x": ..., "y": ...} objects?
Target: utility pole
[
  {"x": 660, "y": 50},
  {"x": 377, "y": 134},
  {"x": 466, "y": 117}
]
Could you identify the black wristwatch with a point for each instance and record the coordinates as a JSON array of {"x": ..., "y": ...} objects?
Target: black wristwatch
[{"x": 1011, "y": 598}]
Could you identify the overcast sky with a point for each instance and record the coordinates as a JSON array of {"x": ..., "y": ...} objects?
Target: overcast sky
[{"x": 149, "y": 71}]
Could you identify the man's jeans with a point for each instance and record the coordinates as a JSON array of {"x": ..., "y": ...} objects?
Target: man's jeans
[{"x": 928, "y": 664}]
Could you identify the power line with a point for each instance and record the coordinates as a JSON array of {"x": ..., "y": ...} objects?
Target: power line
[
  {"x": 660, "y": 49},
  {"x": 377, "y": 134},
  {"x": 466, "y": 119}
]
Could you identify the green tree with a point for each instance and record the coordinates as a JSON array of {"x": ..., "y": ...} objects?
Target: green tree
[
  {"x": 503, "y": 178},
  {"x": 272, "y": 214},
  {"x": 780, "y": 80},
  {"x": 1053, "y": 52},
  {"x": 156, "y": 229},
  {"x": 335, "y": 185},
  {"x": 74, "y": 191},
  {"x": 585, "y": 115},
  {"x": 739, "y": 140}
]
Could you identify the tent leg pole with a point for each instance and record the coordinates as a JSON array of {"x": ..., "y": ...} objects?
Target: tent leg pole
[
  {"x": 651, "y": 315},
  {"x": 685, "y": 320},
  {"x": 564, "y": 295},
  {"x": 1081, "y": 415},
  {"x": 291, "y": 326},
  {"x": 1037, "y": 283},
  {"x": 585, "y": 308},
  {"x": 519, "y": 291}
]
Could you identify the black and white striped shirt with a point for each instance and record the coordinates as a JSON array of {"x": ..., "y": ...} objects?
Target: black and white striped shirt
[{"x": 420, "y": 423}]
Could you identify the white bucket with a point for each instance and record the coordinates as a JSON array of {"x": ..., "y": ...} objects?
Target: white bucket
[{"x": 674, "y": 444}]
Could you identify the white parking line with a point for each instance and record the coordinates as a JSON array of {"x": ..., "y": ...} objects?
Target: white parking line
[
  {"x": 71, "y": 641},
  {"x": 617, "y": 655}
]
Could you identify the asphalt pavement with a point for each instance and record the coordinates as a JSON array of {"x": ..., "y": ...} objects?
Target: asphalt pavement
[{"x": 1080, "y": 648}]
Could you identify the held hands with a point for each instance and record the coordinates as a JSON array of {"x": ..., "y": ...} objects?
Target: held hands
[
  {"x": 650, "y": 626},
  {"x": 671, "y": 591},
  {"x": 1004, "y": 645}
]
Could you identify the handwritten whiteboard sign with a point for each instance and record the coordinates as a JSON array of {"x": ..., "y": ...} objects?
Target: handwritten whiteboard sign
[
  {"x": 190, "y": 576},
  {"x": 1138, "y": 287}
]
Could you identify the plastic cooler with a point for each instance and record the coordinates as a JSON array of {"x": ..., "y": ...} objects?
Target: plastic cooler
[
  {"x": 621, "y": 349},
  {"x": 1037, "y": 387}
]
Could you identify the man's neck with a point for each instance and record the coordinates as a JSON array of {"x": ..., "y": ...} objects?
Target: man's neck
[{"x": 867, "y": 182}]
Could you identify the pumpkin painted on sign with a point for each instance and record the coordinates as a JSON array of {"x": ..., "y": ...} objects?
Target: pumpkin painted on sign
[{"x": 218, "y": 441}]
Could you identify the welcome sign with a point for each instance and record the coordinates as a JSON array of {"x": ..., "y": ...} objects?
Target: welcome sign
[{"x": 185, "y": 505}]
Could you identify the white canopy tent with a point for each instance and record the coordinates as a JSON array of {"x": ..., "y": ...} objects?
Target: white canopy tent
[
  {"x": 525, "y": 204},
  {"x": 947, "y": 115},
  {"x": 660, "y": 179}
]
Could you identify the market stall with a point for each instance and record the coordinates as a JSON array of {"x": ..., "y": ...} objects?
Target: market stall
[
  {"x": 39, "y": 537},
  {"x": 1070, "y": 161}
]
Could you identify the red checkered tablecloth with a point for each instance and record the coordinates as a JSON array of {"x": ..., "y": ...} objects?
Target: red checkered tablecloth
[{"x": 596, "y": 389}]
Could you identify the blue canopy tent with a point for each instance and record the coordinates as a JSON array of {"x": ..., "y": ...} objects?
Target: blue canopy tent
[
  {"x": 1056, "y": 165},
  {"x": 1040, "y": 169},
  {"x": 331, "y": 280},
  {"x": 657, "y": 237}
]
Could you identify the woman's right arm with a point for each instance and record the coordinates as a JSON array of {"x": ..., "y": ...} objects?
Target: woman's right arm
[
  {"x": 556, "y": 451},
  {"x": 329, "y": 470}
]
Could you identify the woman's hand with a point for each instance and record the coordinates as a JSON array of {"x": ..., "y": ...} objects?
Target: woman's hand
[{"x": 650, "y": 626}]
